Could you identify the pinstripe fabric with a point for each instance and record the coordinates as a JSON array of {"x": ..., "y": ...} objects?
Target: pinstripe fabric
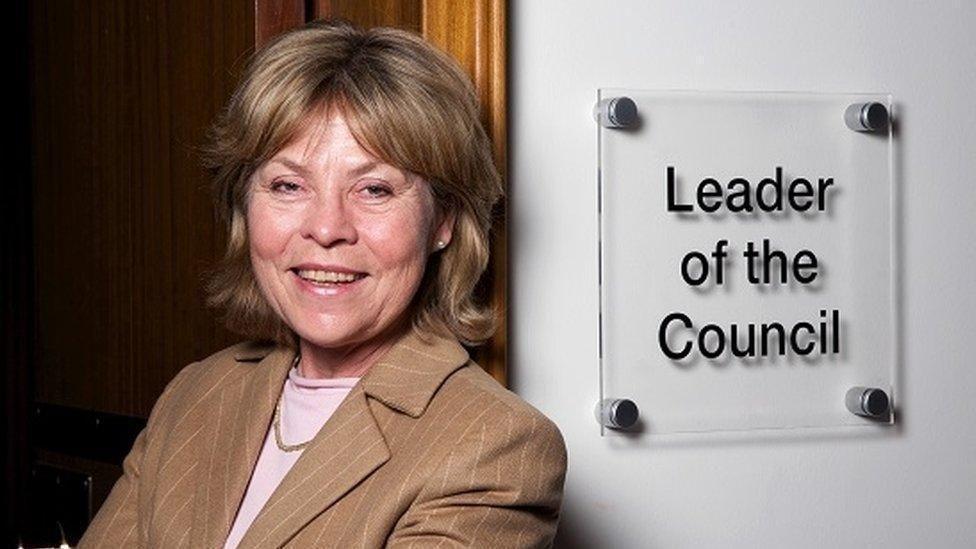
[{"x": 427, "y": 450}]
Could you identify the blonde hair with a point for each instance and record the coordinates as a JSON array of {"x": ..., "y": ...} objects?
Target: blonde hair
[{"x": 406, "y": 103}]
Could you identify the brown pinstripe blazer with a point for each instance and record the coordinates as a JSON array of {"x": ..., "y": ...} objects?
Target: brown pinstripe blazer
[{"x": 426, "y": 450}]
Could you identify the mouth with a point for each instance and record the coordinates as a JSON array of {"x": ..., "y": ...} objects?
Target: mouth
[{"x": 326, "y": 278}]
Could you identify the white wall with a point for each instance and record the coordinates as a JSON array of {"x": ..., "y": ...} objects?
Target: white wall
[{"x": 913, "y": 486}]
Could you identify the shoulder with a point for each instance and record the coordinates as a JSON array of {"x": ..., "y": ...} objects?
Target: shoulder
[
  {"x": 500, "y": 471},
  {"x": 473, "y": 378},
  {"x": 199, "y": 379},
  {"x": 240, "y": 357},
  {"x": 481, "y": 407}
]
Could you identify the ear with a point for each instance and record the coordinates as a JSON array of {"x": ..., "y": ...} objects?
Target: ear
[{"x": 443, "y": 230}]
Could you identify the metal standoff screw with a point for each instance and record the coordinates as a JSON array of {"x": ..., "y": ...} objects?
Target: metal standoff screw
[
  {"x": 869, "y": 402},
  {"x": 866, "y": 117},
  {"x": 616, "y": 112},
  {"x": 617, "y": 413}
]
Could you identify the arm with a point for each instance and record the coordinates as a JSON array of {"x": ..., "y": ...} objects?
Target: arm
[
  {"x": 117, "y": 522},
  {"x": 500, "y": 486}
]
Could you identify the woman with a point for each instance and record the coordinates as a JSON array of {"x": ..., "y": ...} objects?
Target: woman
[{"x": 357, "y": 183}]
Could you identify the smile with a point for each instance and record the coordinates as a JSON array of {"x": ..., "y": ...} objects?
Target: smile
[{"x": 328, "y": 277}]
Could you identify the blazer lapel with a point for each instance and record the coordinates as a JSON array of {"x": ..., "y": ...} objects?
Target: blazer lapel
[
  {"x": 245, "y": 414},
  {"x": 346, "y": 450},
  {"x": 412, "y": 371},
  {"x": 350, "y": 446}
]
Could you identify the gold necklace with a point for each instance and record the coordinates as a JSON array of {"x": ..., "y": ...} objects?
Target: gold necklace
[{"x": 277, "y": 422}]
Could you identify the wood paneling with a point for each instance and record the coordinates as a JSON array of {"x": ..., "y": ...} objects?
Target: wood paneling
[
  {"x": 273, "y": 17},
  {"x": 402, "y": 14},
  {"x": 123, "y": 222}
]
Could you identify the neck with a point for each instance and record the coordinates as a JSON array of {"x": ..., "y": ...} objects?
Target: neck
[{"x": 352, "y": 360}]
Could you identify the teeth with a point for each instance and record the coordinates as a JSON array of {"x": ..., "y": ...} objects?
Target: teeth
[{"x": 327, "y": 276}]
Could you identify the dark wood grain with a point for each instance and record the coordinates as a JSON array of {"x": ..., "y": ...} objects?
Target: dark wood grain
[
  {"x": 123, "y": 222},
  {"x": 401, "y": 14},
  {"x": 273, "y": 17}
]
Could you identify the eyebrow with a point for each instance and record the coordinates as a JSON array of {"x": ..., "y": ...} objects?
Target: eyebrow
[{"x": 299, "y": 167}]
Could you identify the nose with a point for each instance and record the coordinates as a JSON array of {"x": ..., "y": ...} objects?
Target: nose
[{"x": 329, "y": 222}]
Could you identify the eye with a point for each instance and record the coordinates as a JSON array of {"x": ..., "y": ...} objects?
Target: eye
[
  {"x": 284, "y": 186},
  {"x": 376, "y": 190}
]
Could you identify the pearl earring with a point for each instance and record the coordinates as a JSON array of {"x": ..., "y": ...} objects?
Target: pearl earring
[{"x": 441, "y": 244}]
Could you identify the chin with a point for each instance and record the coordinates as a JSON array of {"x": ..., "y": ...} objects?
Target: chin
[{"x": 331, "y": 339}]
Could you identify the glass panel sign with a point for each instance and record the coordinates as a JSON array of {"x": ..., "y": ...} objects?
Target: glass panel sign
[{"x": 746, "y": 257}]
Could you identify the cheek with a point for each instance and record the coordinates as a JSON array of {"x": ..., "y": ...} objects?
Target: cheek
[
  {"x": 400, "y": 242},
  {"x": 268, "y": 232}
]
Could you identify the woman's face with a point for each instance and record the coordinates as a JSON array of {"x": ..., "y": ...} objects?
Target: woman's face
[{"x": 339, "y": 239}]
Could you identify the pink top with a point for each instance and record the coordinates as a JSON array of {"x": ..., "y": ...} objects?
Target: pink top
[{"x": 306, "y": 405}]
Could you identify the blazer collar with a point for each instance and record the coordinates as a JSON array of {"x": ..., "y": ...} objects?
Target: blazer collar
[
  {"x": 407, "y": 377},
  {"x": 351, "y": 442},
  {"x": 404, "y": 379}
]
